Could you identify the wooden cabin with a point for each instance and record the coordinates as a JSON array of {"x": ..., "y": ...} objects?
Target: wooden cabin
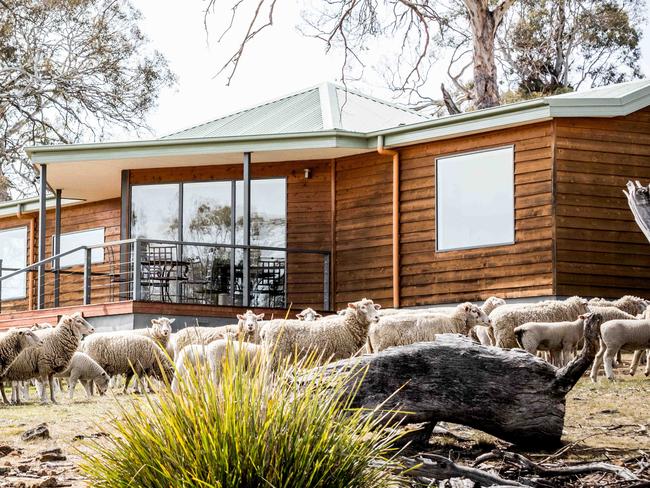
[{"x": 328, "y": 195}]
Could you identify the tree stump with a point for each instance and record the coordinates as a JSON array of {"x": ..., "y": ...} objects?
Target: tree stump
[{"x": 510, "y": 394}]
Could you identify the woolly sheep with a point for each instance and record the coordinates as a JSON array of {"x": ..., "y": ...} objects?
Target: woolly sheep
[
  {"x": 560, "y": 339},
  {"x": 189, "y": 357},
  {"x": 507, "y": 317},
  {"x": 401, "y": 330},
  {"x": 482, "y": 334},
  {"x": 217, "y": 351},
  {"x": 309, "y": 315},
  {"x": 128, "y": 354},
  {"x": 85, "y": 369},
  {"x": 12, "y": 344},
  {"x": 247, "y": 324},
  {"x": 488, "y": 305},
  {"x": 615, "y": 334},
  {"x": 51, "y": 357},
  {"x": 332, "y": 338},
  {"x": 160, "y": 331},
  {"x": 611, "y": 313},
  {"x": 628, "y": 303}
]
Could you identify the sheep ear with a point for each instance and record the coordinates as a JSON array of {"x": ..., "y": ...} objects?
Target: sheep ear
[
  {"x": 155, "y": 321},
  {"x": 240, "y": 316},
  {"x": 377, "y": 306},
  {"x": 299, "y": 315},
  {"x": 260, "y": 316},
  {"x": 468, "y": 308},
  {"x": 171, "y": 321},
  {"x": 352, "y": 305}
]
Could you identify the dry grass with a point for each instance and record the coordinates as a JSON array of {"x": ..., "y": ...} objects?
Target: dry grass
[{"x": 607, "y": 421}]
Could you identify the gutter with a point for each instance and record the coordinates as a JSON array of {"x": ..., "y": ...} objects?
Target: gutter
[{"x": 396, "y": 235}]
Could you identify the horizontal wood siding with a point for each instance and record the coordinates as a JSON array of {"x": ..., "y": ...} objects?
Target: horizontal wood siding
[
  {"x": 308, "y": 214},
  {"x": 524, "y": 269},
  {"x": 363, "y": 229},
  {"x": 600, "y": 249}
]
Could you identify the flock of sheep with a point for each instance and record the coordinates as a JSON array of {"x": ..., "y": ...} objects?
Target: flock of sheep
[{"x": 74, "y": 351}]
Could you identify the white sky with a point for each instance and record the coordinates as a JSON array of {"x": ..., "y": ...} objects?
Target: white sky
[{"x": 281, "y": 61}]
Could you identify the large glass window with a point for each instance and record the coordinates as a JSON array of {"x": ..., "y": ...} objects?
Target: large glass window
[
  {"x": 268, "y": 213},
  {"x": 475, "y": 199},
  {"x": 154, "y": 211},
  {"x": 13, "y": 252},
  {"x": 72, "y": 240}
]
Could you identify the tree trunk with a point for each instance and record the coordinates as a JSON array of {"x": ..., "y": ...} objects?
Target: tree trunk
[{"x": 510, "y": 394}]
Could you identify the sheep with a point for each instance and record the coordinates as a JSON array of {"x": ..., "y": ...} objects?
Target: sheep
[
  {"x": 171, "y": 346},
  {"x": 85, "y": 369},
  {"x": 247, "y": 324},
  {"x": 507, "y": 317},
  {"x": 482, "y": 334},
  {"x": 488, "y": 305},
  {"x": 160, "y": 331},
  {"x": 614, "y": 335},
  {"x": 401, "y": 330},
  {"x": 128, "y": 354},
  {"x": 611, "y": 313},
  {"x": 560, "y": 339},
  {"x": 190, "y": 356},
  {"x": 309, "y": 315},
  {"x": 217, "y": 351},
  {"x": 628, "y": 303},
  {"x": 12, "y": 344},
  {"x": 332, "y": 338},
  {"x": 51, "y": 357}
]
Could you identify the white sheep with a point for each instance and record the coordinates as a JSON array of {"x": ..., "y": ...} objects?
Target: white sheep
[
  {"x": 12, "y": 344},
  {"x": 248, "y": 324},
  {"x": 401, "y": 330},
  {"x": 616, "y": 334},
  {"x": 628, "y": 303},
  {"x": 192, "y": 356},
  {"x": 227, "y": 349},
  {"x": 85, "y": 369},
  {"x": 507, "y": 317},
  {"x": 488, "y": 305},
  {"x": 309, "y": 315},
  {"x": 128, "y": 354},
  {"x": 332, "y": 338},
  {"x": 482, "y": 334},
  {"x": 160, "y": 331},
  {"x": 560, "y": 339},
  {"x": 51, "y": 357}
]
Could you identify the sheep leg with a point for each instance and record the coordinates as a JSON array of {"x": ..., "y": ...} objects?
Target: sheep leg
[
  {"x": 72, "y": 384},
  {"x": 597, "y": 361},
  {"x": 91, "y": 388},
  {"x": 647, "y": 362},
  {"x": 610, "y": 355},
  {"x": 50, "y": 382},
  {"x": 15, "y": 393},
  {"x": 567, "y": 354},
  {"x": 635, "y": 361},
  {"x": 87, "y": 385},
  {"x": 4, "y": 395},
  {"x": 127, "y": 380}
]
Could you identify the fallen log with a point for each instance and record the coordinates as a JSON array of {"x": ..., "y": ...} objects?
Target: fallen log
[{"x": 510, "y": 394}]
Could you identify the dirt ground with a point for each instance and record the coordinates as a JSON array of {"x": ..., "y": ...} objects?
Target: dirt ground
[{"x": 604, "y": 422}]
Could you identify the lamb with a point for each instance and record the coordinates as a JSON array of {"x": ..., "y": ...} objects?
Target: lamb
[
  {"x": 216, "y": 354},
  {"x": 189, "y": 357},
  {"x": 332, "y": 338},
  {"x": 482, "y": 334},
  {"x": 559, "y": 338},
  {"x": 309, "y": 315},
  {"x": 628, "y": 303},
  {"x": 128, "y": 354},
  {"x": 160, "y": 331},
  {"x": 51, "y": 357},
  {"x": 615, "y": 334},
  {"x": 247, "y": 324},
  {"x": 401, "y": 330},
  {"x": 85, "y": 369},
  {"x": 12, "y": 344},
  {"x": 507, "y": 317}
]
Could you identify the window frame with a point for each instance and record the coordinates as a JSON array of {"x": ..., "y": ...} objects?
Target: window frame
[
  {"x": 92, "y": 261},
  {"x": 437, "y": 194},
  {"x": 24, "y": 294}
]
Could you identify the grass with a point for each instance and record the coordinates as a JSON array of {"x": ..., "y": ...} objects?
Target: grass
[{"x": 258, "y": 429}]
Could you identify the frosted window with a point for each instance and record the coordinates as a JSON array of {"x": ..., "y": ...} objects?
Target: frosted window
[
  {"x": 13, "y": 252},
  {"x": 475, "y": 199},
  {"x": 73, "y": 240}
]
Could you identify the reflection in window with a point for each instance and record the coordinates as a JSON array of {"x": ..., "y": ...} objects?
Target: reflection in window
[
  {"x": 13, "y": 252},
  {"x": 154, "y": 212},
  {"x": 72, "y": 240},
  {"x": 475, "y": 199},
  {"x": 268, "y": 213}
]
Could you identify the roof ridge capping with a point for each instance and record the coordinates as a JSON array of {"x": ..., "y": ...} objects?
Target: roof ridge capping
[{"x": 618, "y": 95}]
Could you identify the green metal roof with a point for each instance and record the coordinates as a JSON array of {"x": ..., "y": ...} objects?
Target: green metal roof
[{"x": 322, "y": 108}]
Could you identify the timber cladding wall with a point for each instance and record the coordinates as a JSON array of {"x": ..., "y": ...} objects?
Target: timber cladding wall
[
  {"x": 521, "y": 270},
  {"x": 308, "y": 214},
  {"x": 600, "y": 249}
]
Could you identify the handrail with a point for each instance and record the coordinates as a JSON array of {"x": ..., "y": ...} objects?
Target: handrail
[{"x": 236, "y": 246}]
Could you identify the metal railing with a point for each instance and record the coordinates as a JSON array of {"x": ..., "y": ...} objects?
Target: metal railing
[{"x": 181, "y": 272}]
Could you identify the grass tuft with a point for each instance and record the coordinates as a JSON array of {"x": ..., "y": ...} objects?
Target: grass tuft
[{"x": 259, "y": 428}]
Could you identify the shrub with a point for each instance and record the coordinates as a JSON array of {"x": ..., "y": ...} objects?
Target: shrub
[{"x": 258, "y": 428}]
